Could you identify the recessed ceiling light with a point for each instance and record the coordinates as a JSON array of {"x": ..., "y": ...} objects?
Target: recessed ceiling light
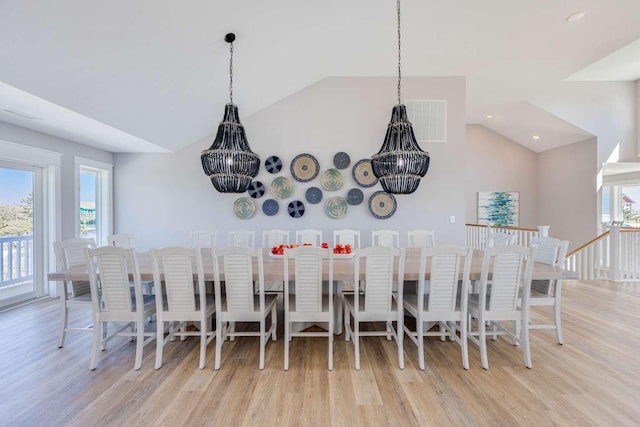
[
  {"x": 536, "y": 137},
  {"x": 575, "y": 17},
  {"x": 489, "y": 116}
]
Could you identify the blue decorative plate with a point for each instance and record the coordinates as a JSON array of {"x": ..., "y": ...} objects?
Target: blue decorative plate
[
  {"x": 336, "y": 207},
  {"x": 355, "y": 196},
  {"x": 341, "y": 160},
  {"x": 296, "y": 209},
  {"x": 256, "y": 189},
  {"x": 281, "y": 187},
  {"x": 244, "y": 208},
  {"x": 273, "y": 164},
  {"x": 363, "y": 174},
  {"x": 313, "y": 195},
  {"x": 304, "y": 167},
  {"x": 332, "y": 180},
  {"x": 382, "y": 205},
  {"x": 270, "y": 207}
]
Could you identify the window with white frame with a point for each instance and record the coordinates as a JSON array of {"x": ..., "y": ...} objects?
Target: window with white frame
[{"x": 94, "y": 199}]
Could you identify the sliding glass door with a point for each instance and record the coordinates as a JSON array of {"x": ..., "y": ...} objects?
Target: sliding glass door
[{"x": 20, "y": 189}]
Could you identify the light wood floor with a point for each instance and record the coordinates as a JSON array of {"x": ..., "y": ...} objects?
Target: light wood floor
[{"x": 594, "y": 379}]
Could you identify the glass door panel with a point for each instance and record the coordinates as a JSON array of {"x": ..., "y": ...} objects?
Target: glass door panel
[{"x": 17, "y": 189}]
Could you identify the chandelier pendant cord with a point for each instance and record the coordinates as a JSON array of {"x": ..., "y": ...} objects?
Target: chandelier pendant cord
[
  {"x": 399, "y": 72},
  {"x": 231, "y": 72}
]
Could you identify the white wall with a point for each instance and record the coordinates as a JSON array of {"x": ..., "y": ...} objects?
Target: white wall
[
  {"x": 567, "y": 194},
  {"x": 496, "y": 163},
  {"x": 68, "y": 150},
  {"x": 162, "y": 197}
]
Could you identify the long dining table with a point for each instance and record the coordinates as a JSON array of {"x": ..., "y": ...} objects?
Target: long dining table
[{"x": 342, "y": 268}]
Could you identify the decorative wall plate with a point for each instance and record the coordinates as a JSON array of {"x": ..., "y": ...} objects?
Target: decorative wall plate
[
  {"x": 273, "y": 164},
  {"x": 270, "y": 207},
  {"x": 341, "y": 160},
  {"x": 336, "y": 207},
  {"x": 244, "y": 208},
  {"x": 355, "y": 196},
  {"x": 296, "y": 209},
  {"x": 313, "y": 195},
  {"x": 331, "y": 180},
  {"x": 363, "y": 174},
  {"x": 382, "y": 205},
  {"x": 256, "y": 189},
  {"x": 304, "y": 167},
  {"x": 281, "y": 187}
]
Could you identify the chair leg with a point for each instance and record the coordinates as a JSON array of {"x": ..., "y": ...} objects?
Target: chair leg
[
  {"x": 139, "y": 344},
  {"x": 263, "y": 342},
  {"x": 443, "y": 331},
  {"x": 399, "y": 340},
  {"x": 356, "y": 341},
  {"x": 482, "y": 337},
  {"x": 557, "y": 318},
  {"x": 219, "y": 341},
  {"x": 525, "y": 347},
  {"x": 330, "y": 333},
  {"x": 464, "y": 344},
  {"x": 420, "y": 339},
  {"x": 287, "y": 338},
  {"x": 96, "y": 344},
  {"x": 274, "y": 323},
  {"x": 159, "y": 343},
  {"x": 389, "y": 331},
  {"x": 203, "y": 343},
  {"x": 347, "y": 323}
]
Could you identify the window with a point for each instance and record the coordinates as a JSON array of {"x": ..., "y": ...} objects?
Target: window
[
  {"x": 621, "y": 203},
  {"x": 94, "y": 199}
]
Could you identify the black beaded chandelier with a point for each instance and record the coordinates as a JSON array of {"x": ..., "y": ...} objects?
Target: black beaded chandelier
[
  {"x": 229, "y": 162},
  {"x": 400, "y": 163}
]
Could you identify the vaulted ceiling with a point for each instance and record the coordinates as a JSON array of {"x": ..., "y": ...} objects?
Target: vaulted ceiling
[{"x": 142, "y": 76}]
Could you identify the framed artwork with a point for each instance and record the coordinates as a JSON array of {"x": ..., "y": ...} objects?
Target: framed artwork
[{"x": 498, "y": 208}]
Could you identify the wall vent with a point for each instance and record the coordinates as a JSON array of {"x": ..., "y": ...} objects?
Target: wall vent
[{"x": 429, "y": 119}]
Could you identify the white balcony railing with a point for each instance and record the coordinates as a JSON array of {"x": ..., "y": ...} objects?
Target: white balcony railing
[
  {"x": 478, "y": 235},
  {"x": 16, "y": 263}
]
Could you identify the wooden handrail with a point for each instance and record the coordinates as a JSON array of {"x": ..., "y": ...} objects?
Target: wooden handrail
[
  {"x": 503, "y": 228},
  {"x": 630, "y": 230},
  {"x": 588, "y": 243}
]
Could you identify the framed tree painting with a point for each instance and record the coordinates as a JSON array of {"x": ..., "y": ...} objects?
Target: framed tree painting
[{"x": 498, "y": 208}]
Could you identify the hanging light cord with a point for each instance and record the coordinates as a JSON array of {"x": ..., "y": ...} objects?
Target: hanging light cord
[
  {"x": 231, "y": 73},
  {"x": 399, "y": 72}
]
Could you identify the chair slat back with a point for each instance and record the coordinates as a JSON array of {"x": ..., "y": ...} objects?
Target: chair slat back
[
  {"x": 347, "y": 237},
  {"x": 70, "y": 252},
  {"x": 176, "y": 265},
  {"x": 551, "y": 251},
  {"x": 379, "y": 268},
  {"x": 112, "y": 264},
  {"x": 445, "y": 273},
  {"x": 421, "y": 238},
  {"x": 506, "y": 264},
  {"x": 242, "y": 238},
  {"x": 203, "y": 239},
  {"x": 308, "y": 268},
  {"x": 385, "y": 238},
  {"x": 309, "y": 236},
  {"x": 500, "y": 239},
  {"x": 271, "y": 238},
  {"x": 238, "y": 276}
]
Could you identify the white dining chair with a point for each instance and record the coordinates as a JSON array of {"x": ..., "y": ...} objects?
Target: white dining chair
[
  {"x": 113, "y": 301},
  {"x": 177, "y": 299},
  {"x": 72, "y": 293},
  {"x": 203, "y": 239},
  {"x": 309, "y": 237},
  {"x": 243, "y": 238},
  {"x": 421, "y": 238},
  {"x": 308, "y": 303},
  {"x": 347, "y": 237},
  {"x": 500, "y": 239},
  {"x": 375, "y": 300},
  {"x": 385, "y": 238},
  {"x": 506, "y": 300},
  {"x": 122, "y": 240},
  {"x": 550, "y": 251},
  {"x": 239, "y": 302},
  {"x": 275, "y": 237},
  {"x": 446, "y": 302}
]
